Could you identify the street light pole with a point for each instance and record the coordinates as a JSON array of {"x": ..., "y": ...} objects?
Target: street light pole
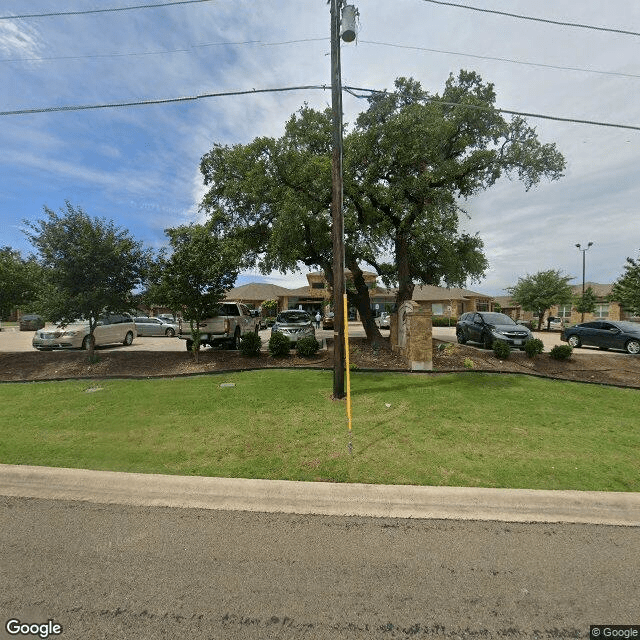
[{"x": 584, "y": 251}]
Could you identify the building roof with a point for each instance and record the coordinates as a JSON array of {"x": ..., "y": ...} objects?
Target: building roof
[
  {"x": 431, "y": 292},
  {"x": 600, "y": 290},
  {"x": 256, "y": 291}
]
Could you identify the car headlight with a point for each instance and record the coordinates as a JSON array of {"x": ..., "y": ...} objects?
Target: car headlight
[{"x": 497, "y": 333}]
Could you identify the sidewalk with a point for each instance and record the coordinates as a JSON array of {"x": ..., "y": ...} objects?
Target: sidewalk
[{"x": 322, "y": 498}]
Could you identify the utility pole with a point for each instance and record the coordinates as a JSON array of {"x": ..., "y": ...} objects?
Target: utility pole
[
  {"x": 337, "y": 229},
  {"x": 584, "y": 251}
]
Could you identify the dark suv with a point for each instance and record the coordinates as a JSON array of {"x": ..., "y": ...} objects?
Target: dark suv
[{"x": 486, "y": 327}]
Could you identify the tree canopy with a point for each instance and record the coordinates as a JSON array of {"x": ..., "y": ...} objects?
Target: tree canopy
[
  {"x": 585, "y": 302},
  {"x": 90, "y": 265},
  {"x": 194, "y": 278},
  {"x": 626, "y": 289},
  {"x": 409, "y": 159},
  {"x": 540, "y": 291},
  {"x": 20, "y": 280}
]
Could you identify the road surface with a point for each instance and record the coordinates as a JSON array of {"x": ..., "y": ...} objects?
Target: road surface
[{"x": 135, "y": 572}]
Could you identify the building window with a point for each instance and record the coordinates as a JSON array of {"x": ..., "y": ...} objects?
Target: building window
[
  {"x": 564, "y": 311},
  {"x": 482, "y": 305},
  {"x": 437, "y": 309},
  {"x": 602, "y": 311}
]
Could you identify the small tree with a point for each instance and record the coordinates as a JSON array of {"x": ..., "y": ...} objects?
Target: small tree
[
  {"x": 90, "y": 266},
  {"x": 19, "y": 280},
  {"x": 540, "y": 291},
  {"x": 626, "y": 290},
  {"x": 270, "y": 306},
  {"x": 201, "y": 268},
  {"x": 585, "y": 302}
]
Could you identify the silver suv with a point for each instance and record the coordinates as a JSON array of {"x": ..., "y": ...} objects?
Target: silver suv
[{"x": 294, "y": 324}]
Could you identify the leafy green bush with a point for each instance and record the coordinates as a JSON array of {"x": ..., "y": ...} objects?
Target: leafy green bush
[
  {"x": 440, "y": 321},
  {"x": 533, "y": 347},
  {"x": 561, "y": 352},
  {"x": 279, "y": 345},
  {"x": 270, "y": 321},
  {"x": 307, "y": 346},
  {"x": 250, "y": 344},
  {"x": 501, "y": 349}
]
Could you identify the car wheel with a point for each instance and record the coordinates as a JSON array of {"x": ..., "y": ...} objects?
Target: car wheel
[
  {"x": 574, "y": 341},
  {"x": 460, "y": 337},
  {"x": 128, "y": 339},
  {"x": 487, "y": 342},
  {"x": 170, "y": 332},
  {"x": 236, "y": 340},
  {"x": 633, "y": 346},
  {"x": 86, "y": 343}
]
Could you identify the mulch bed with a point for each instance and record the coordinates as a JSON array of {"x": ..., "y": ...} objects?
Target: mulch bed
[{"x": 617, "y": 369}]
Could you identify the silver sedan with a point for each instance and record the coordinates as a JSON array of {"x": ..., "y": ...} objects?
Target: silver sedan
[{"x": 155, "y": 327}]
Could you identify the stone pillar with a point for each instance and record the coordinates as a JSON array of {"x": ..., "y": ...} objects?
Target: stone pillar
[
  {"x": 393, "y": 332},
  {"x": 419, "y": 350}
]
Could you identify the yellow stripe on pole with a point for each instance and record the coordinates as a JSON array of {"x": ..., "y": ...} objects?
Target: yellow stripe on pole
[{"x": 346, "y": 349}]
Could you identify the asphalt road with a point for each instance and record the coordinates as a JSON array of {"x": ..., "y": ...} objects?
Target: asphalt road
[{"x": 115, "y": 571}]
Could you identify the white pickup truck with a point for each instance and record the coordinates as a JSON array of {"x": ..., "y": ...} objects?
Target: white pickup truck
[{"x": 233, "y": 320}]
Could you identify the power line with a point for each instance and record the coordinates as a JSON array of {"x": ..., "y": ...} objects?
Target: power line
[
  {"x": 499, "y": 59},
  {"x": 110, "y": 10},
  {"x": 188, "y": 49},
  {"x": 545, "y": 20},
  {"x": 323, "y": 87},
  {"x": 145, "y": 103}
]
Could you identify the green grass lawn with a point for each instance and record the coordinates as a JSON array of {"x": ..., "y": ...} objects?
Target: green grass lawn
[{"x": 456, "y": 429}]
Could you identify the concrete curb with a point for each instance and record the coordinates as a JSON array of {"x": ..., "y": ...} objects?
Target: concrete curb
[{"x": 282, "y": 496}]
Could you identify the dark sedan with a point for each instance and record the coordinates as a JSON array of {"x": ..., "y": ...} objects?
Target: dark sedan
[
  {"x": 605, "y": 334},
  {"x": 487, "y": 327}
]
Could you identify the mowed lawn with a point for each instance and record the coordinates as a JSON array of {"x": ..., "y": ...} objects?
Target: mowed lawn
[{"x": 456, "y": 429}]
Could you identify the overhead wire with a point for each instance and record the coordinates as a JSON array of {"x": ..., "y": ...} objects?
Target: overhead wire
[
  {"x": 323, "y": 87},
  {"x": 534, "y": 19},
  {"x": 56, "y": 14},
  {"x": 191, "y": 48}
]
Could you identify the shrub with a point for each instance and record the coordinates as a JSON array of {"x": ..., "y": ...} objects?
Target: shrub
[
  {"x": 561, "y": 352},
  {"x": 307, "y": 346},
  {"x": 279, "y": 345},
  {"x": 501, "y": 349},
  {"x": 250, "y": 344},
  {"x": 533, "y": 347},
  {"x": 469, "y": 363},
  {"x": 440, "y": 321},
  {"x": 270, "y": 321}
]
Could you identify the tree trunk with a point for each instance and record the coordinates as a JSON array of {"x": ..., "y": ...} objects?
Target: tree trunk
[
  {"x": 405, "y": 282},
  {"x": 362, "y": 301}
]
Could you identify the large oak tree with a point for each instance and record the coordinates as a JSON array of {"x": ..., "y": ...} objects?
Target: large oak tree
[{"x": 409, "y": 160}]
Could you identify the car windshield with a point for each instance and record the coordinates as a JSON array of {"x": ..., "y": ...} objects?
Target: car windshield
[
  {"x": 497, "y": 318},
  {"x": 294, "y": 316}
]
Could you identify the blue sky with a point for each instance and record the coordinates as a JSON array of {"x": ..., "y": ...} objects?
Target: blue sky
[{"x": 139, "y": 165}]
